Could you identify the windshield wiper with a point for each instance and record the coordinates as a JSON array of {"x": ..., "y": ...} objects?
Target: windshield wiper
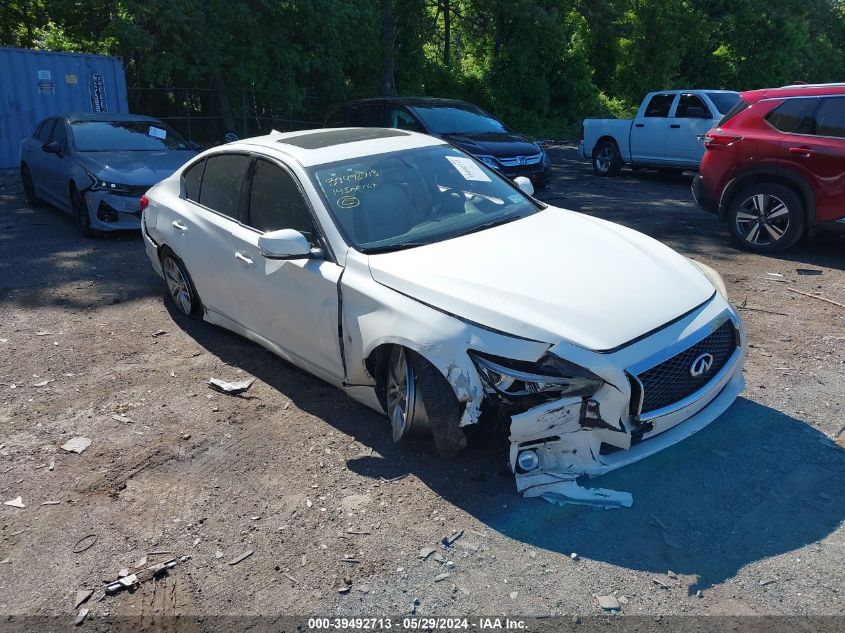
[
  {"x": 392, "y": 247},
  {"x": 490, "y": 225}
]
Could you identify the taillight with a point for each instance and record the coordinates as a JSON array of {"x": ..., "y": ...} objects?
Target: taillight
[
  {"x": 144, "y": 202},
  {"x": 718, "y": 139}
]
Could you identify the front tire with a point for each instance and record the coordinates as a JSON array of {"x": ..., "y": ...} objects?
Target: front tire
[
  {"x": 411, "y": 381},
  {"x": 766, "y": 218},
  {"x": 607, "y": 161},
  {"x": 81, "y": 217},
  {"x": 180, "y": 287}
]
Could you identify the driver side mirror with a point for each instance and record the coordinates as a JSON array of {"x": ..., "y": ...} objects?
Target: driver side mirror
[
  {"x": 524, "y": 185},
  {"x": 52, "y": 148},
  {"x": 286, "y": 244}
]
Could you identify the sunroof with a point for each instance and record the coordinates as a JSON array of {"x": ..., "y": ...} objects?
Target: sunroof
[{"x": 327, "y": 138}]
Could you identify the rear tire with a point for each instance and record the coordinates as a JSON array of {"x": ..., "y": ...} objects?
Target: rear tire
[
  {"x": 607, "y": 161},
  {"x": 766, "y": 218},
  {"x": 180, "y": 286},
  {"x": 29, "y": 188}
]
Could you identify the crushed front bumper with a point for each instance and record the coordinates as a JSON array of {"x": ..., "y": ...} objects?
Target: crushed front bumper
[
  {"x": 113, "y": 212},
  {"x": 580, "y": 437}
]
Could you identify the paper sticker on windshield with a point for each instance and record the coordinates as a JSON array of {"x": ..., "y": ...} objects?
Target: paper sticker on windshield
[
  {"x": 468, "y": 168},
  {"x": 157, "y": 132}
]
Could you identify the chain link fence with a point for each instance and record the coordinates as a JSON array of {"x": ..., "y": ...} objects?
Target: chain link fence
[{"x": 196, "y": 113}]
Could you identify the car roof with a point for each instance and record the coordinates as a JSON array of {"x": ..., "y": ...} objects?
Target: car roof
[
  {"x": 796, "y": 90},
  {"x": 411, "y": 101},
  {"x": 104, "y": 116},
  {"x": 329, "y": 145}
]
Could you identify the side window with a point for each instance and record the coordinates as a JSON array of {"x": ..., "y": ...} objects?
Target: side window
[
  {"x": 60, "y": 135},
  {"x": 366, "y": 115},
  {"x": 46, "y": 130},
  {"x": 659, "y": 106},
  {"x": 276, "y": 203},
  {"x": 403, "y": 120},
  {"x": 692, "y": 107},
  {"x": 336, "y": 117},
  {"x": 793, "y": 116},
  {"x": 830, "y": 117},
  {"x": 191, "y": 179},
  {"x": 222, "y": 183}
]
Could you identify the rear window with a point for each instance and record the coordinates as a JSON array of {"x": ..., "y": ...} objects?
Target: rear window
[
  {"x": 222, "y": 181},
  {"x": 723, "y": 101},
  {"x": 738, "y": 107},
  {"x": 794, "y": 116},
  {"x": 830, "y": 117},
  {"x": 659, "y": 106}
]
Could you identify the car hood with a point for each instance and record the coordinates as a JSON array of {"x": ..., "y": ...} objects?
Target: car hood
[
  {"x": 551, "y": 277},
  {"x": 498, "y": 144},
  {"x": 134, "y": 168}
]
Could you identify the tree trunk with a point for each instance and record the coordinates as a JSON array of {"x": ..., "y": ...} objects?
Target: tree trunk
[
  {"x": 447, "y": 33},
  {"x": 388, "y": 47},
  {"x": 223, "y": 105}
]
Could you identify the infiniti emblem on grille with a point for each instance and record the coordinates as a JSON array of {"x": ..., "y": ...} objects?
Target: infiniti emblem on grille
[{"x": 701, "y": 365}]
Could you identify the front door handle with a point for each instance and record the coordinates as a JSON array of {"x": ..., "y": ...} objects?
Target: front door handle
[
  {"x": 176, "y": 224},
  {"x": 639, "y": 124},
  {"x": 806, "y": 152},
  {"x": 675, "y": 125},
  {"x": 243, "y": 258}
]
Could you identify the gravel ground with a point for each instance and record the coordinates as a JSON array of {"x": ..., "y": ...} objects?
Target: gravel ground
[{"x": 743, "y": 518}]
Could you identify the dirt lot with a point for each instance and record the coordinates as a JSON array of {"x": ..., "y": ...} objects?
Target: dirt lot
[{"x": 747, "y": 515}]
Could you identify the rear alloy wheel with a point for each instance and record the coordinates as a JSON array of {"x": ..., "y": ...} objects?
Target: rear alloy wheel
[
  {"x": 29, "y": 188},
  {"x": 179, "y": 284},
  {"x": 606, "y": 159},
  {"x": 767, "y": 218},
  {"x": 80, "y": 213}
]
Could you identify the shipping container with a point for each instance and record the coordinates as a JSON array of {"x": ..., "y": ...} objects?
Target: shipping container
[{"x": 38, "y": 84}]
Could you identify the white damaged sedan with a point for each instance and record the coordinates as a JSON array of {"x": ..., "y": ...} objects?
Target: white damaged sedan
[{"x": 427, "y": 286}]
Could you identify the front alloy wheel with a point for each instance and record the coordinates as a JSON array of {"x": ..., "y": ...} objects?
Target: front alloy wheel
[
  {"x": 401, "y": 393},
  {"x": 767, "y": 218}
]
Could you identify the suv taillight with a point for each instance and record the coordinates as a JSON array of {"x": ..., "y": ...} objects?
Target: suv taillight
[{"x": 718, "y": 139}]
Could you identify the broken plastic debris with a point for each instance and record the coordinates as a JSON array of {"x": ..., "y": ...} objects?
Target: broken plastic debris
[
  {"x": 242, "y": 557},
  {"x": 231, "y": 388},
  {"x": 449, "y": 540},
  {"x": 609, "y": 603},
  {"x": 80, "y": 617},
  {"x": 17, "y": 502},
  {"x": 139, "y": 577},
  {"x": 564, "y": 492},
  {"x": 76, "y": 444},
  {"x": 425, "y": 552},
  {"x": 81, "y": 596}
]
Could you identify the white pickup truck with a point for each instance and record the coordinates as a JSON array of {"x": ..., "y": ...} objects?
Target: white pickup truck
[{"x": 667, "y": 132}]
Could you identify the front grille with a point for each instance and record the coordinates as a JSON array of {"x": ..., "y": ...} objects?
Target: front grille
[
  {"x": 671, "y": 381},
  {"x": 533, "y": 159}
]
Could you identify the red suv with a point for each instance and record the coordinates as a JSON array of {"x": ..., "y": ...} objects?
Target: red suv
[{"x": 775, "y": 165}]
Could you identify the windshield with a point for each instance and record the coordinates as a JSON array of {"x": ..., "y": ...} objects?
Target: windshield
[
  {"x": 125, "y": 136},
  {"x": 457, "y": 119},
  {"x": 414, "y": 197},
  {"x": 723, "y": 101}
]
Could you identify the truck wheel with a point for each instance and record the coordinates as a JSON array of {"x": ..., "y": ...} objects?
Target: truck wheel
[
  {"x": 766, "y": 218},
  {"x": 606, "y": 159}
]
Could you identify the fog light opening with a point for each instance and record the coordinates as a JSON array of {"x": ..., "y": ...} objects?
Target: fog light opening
[
  {"x": 527, "y": 461},
  {"x": 106, "y": 213}
]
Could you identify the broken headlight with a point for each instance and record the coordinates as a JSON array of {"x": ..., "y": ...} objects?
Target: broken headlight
[{"x": 549, "y": 378}]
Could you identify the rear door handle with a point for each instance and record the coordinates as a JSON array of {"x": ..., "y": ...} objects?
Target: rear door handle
[
  {"x": 178, "y": 225},
  {"x": 246, "y": 260},
  {"x": 639, "y": 124},
  {"x": 675, "y": 125},
  {"x": 806, "y": 152}
]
